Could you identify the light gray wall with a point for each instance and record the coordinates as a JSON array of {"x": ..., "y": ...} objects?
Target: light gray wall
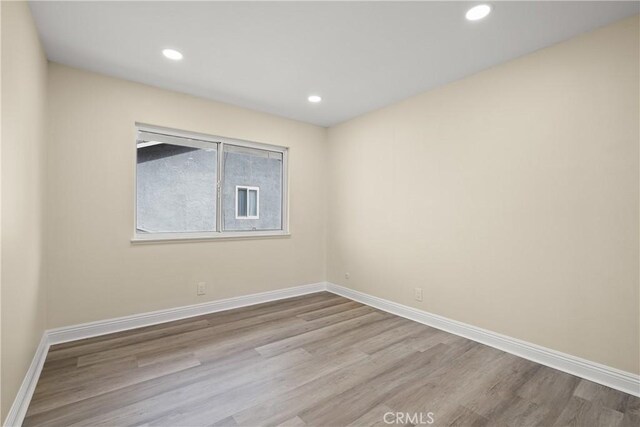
[{"x": 176, "y": 189}]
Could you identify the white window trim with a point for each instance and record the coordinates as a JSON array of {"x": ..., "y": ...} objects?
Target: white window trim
[
  {"x": 201, "y": 140},
  {"x": 257, "y": 190}
]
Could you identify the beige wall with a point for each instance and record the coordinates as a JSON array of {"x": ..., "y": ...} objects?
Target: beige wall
[
  {"x": 95, "y": 272},
  {"x": 24, "y": 69},
  {"x": 510, "y": 197}
]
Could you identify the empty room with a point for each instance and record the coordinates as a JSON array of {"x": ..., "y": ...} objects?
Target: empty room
[{"x": 320, "y": 213}]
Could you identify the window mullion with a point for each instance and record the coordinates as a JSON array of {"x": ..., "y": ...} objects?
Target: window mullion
[{"x": 220, "y": 185}]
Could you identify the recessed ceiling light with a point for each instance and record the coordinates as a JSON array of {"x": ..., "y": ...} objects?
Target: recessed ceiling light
[
  {"x": 172, "y": 54},
  {"x": 314, "y": 98},
  {"x": 478, "y": 12}
]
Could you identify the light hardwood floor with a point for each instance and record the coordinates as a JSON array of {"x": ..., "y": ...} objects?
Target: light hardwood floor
[{"x": 319, "y": 360}]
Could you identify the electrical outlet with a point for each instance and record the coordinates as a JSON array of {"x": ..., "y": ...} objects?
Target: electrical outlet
[
  {"x": 347, "y": 275},
  {"x": 417, "y": 294},
  {"x": 202, "y": 288}
]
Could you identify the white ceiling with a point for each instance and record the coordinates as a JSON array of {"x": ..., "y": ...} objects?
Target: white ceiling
[{"x": 270, "y": 56}]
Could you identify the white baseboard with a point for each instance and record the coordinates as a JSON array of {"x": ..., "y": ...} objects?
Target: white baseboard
[
  {"x": 109, "y": 326},
  {"x": 50, "y": 337},
  {"x": 23, "y": 397},
  {"x": 601, "y": 374}
]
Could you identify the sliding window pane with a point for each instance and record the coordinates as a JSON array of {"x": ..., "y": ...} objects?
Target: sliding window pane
[
  {"x": 260, "y": 172},
  {"x": 176, "y": 186},
  {"x": 241, "y": 200},
  {"x": 252, "y": 203}
]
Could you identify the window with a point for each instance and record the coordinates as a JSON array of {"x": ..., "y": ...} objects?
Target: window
[
  {"x": 198, "y": 186},
  {"x": 247, "y": 202}
]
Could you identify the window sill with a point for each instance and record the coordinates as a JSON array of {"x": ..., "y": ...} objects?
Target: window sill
[{"x": 207, "y": 237}]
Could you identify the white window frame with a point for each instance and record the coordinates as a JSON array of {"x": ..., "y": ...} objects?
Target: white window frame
[
  {"x": 203, "y": 140},
  {"x": 257, "y": 190}
]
